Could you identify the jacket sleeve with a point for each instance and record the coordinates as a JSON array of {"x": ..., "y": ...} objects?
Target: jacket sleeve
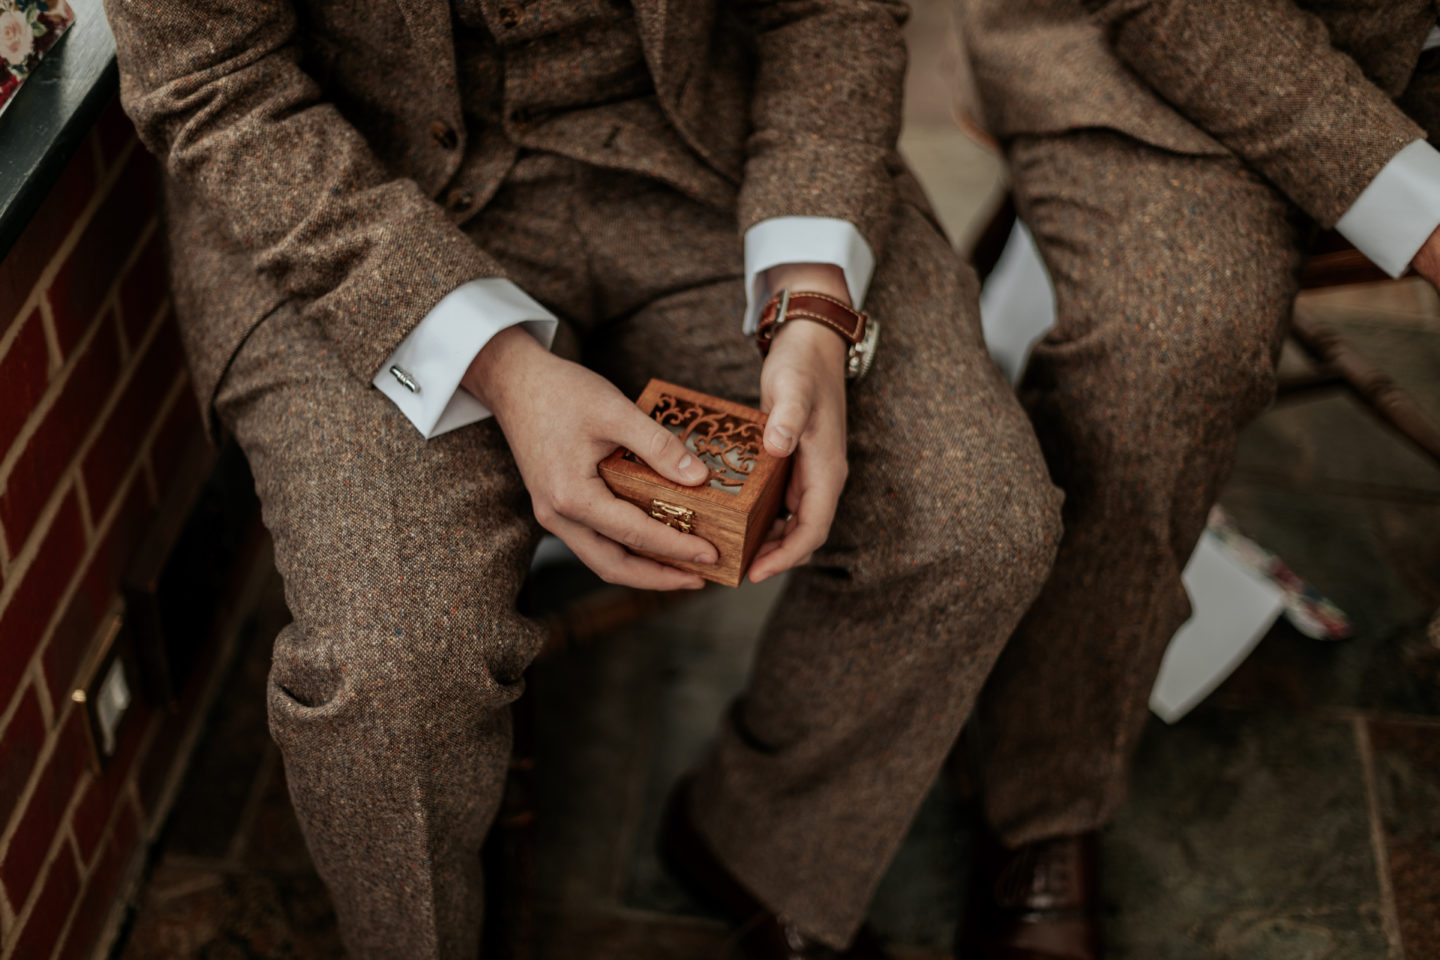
[
  {"x": 1263, "y": 78},
  {"x": 825, "y": 112},
  {"x": 217, "y": 93}
]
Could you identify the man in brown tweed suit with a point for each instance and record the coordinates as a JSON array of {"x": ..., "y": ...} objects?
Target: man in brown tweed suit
[
  {"x": 381, "y": 214},
  {"x": 1171, "y": 159}
]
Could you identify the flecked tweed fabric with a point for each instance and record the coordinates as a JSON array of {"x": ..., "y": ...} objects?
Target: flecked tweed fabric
[
  {"x": 1302, "y": 90},
  {"x": 402, "y": 558},
  {"x": 304, "y": 142},
  {"x": 1174, "y": 279}
]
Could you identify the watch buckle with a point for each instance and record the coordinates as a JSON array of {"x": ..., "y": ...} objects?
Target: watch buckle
[{"x": 781, "y": 309}]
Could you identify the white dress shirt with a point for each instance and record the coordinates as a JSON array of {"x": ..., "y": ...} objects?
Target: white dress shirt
[{"x": 422, "y": 376}]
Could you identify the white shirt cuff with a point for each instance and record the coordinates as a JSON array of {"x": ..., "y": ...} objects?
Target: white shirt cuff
[
  {"x": 1391, "y": 220},
  {"x": 422, "y": 376},
  {"x": 782, "y": 240}
]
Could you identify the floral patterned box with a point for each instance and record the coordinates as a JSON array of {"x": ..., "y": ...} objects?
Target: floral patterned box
[
  {"x": 737, "y": 508},
  {"x": 28, "y": 29}
]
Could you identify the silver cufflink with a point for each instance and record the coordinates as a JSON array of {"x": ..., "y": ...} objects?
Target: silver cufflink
[{"x": 406, "y": 381}]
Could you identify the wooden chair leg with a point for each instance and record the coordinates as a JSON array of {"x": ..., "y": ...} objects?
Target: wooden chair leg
[{"x": 1375, "y": 389}]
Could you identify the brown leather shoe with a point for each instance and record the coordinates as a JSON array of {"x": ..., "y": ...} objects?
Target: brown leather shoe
[
  {"x": 759, "y": 934},
  {"x": 1037, "y": 902}
]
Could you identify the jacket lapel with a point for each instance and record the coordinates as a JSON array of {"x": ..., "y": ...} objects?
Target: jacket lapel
[{"x": 651, "y": 17}]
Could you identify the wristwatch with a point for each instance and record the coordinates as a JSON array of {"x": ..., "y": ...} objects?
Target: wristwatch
[{"x": 857, "y": 329}]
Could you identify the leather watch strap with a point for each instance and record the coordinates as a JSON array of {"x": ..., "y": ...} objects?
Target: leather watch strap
[{"x": 818, "y": 307}]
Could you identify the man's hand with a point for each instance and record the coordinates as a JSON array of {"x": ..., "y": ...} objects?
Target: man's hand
[
  {"x": 561, "y": 420},
  {"x": 1427, "y": 261},
  {"x": 802, "y": 388}
]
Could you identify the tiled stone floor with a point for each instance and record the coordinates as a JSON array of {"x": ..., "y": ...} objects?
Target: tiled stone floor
[{"x": 1293, "y": 816}]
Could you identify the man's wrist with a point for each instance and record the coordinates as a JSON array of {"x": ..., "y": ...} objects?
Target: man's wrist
[
  {"x": 816, "y": 345},
  {"x": 496, "y": 370}
]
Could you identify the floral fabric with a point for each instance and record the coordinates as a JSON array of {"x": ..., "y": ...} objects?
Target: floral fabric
[{"x": 28, "y": 29}]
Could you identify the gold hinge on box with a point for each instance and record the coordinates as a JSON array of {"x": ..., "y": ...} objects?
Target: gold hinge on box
[{"x": 672, "y": 516}]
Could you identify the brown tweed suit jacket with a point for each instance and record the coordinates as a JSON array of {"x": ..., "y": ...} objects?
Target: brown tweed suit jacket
[
  {"x": 1302, "y": 90},
  {"x": 303, "y": 142}
]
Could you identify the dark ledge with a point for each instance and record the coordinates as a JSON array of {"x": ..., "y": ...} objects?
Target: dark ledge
[{"x": 50, "y": 115}]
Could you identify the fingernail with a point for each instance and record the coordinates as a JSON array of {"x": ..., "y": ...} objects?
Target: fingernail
[
  {"x": 704, "y": 558},
  {"x": 781, "y": 440},
  {"x": 691, "y": 467}
]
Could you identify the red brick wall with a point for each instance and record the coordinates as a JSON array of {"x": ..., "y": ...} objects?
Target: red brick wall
[{"x": 94, "y": 406}]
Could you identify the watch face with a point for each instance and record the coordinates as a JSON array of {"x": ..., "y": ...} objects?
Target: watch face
[{"x": 862, "y": 354}]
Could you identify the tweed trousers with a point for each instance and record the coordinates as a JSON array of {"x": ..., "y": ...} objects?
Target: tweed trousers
[
  {"x": 1174, "y": 279},
  {"x": 402, "y": 558}
]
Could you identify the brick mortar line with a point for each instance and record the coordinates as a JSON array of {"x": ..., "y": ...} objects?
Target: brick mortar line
[
  {"x": 60, "y": 379},
  {"x": 13, "y": 707},
  {"x": 129, "y": 478},
  {"x": 1389, "y": 912},
  {"x": 56, "y": 357},
  {"x": 152, "y": 225},
  {"x": 52, "y": 853},
  {"x": 61, "y": 375},
  {"x": 21, "y": 562},
  {"x": 103, "y": 186},
  {"x": 229, "y": 631},
  {"x": 34, "y": 669},
  {"x": 72, "y": 239},
  {"x": 7, "y": 915},
  {"x": 87, "y": 871},
  {"x": 52, "y": 507},
  {"x": 87, "y": 523},
  {"x": 12, "y": 329}
]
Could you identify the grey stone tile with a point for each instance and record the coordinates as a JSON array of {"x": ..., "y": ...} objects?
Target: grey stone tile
[
  {"x": 196, "y": 911},
  {"x": 1407, "y": 785},
  {"x": 706, "y": 659},
  {"x": 1375, "y": 560},
  {"x": 618, "y": 722},
  {"x": 1247, "y": 836},
  {"x": 919, "y": 900}
]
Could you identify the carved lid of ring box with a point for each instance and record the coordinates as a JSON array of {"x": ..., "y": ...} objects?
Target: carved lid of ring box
[
  {"x": 728, "y": 444},
  {"x": 736, "y": 507}
]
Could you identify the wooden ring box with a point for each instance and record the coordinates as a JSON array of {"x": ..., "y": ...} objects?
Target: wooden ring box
[{"x": 736, "y": 508}]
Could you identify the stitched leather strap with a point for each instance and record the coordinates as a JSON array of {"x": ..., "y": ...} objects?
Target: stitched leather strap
[{"x": 848, "y": 323}]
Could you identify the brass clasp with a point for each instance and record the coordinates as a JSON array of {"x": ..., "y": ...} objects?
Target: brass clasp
[{"x": 672, "y": 516}]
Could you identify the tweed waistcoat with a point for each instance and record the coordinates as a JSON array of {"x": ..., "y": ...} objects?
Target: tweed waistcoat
[{"x": 568, "y": 78}]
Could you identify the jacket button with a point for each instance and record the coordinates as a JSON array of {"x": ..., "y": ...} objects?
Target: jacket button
[
  {"x": 443, "y": 134},
  {"x": 459, "y": 201},
  {"x": 509, "y": 17}
]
